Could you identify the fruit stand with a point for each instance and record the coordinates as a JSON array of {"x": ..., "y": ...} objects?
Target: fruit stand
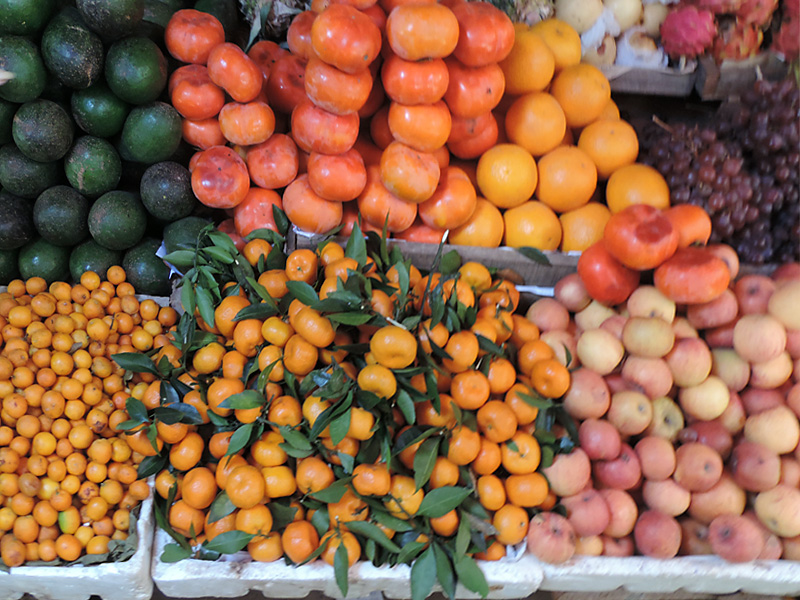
[{"x": 479, "y": 298}]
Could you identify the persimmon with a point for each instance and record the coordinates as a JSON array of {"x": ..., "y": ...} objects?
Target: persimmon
[
  {"x": 418, "y": 31},
  {"x": 421, "y": 233},
  {"x": 220, "y": 178},
  {"x": 346, "y": 38},
  {"x": 414, "y": 82},
  {"x": 692, "y": 276},
  {"x": 193, "y": 94},
  {"x": 409, "y": 174},
  {"x": 298, "y": 36},
  {"x": 235, "y": 72},
  {"x": 640, "y": 237},
  {"x": 338, "y": 178},
  {"x": 203, "y": 134},
  {"x": 309, "y": 211},
  {"x": 424, "y": 127},
  {"x": 315, "y": 129},
  {"x": 265, "y": 53},
  {"x": 378, "y": 205},
  {"x": 473, "y": 91},
  {"x": 247, "y": 124},
  {"x": 256, "y": 211},
  {"x": 335, "y": 90},
  {"x": 485, "y": 33},
  {"x": 606, "y": 279},
  {"x": 691, "y": 222},
  {"x": 453, "y": 202},
  {"x": 190, "y": 35},
  {"x": 286, "y": 83},
  {"x": 471, "y": 137}
]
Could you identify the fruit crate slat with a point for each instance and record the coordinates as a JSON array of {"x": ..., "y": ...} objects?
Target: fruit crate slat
[
  {"x": 129, "y": 580},
  {"x": 652, "y": 82},
  {"x": 732, "y": 77}
]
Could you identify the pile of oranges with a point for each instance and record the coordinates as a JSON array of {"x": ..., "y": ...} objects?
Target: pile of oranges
[
  {"x": 423, "y": 117},
  {"x": 68, "y": 480},
  {"x": 347, "y": 401}
]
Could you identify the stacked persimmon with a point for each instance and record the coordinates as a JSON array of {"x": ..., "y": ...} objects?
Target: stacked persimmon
[{"x": 68, "y": 479}]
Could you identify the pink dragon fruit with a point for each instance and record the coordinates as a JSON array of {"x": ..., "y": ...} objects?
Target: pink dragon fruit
[
  {"x": 787, "y": 41},
  {"x": 757, "y": 12},
  {"x": 687, "y": 31},
  {"x": 737, "y": 41},
  {"x": 720, "y": 7},
  {"x": 791, "y": 8}
]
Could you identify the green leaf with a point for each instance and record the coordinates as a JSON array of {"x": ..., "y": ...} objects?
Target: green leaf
[
  {"x": 128, "y": 425},
  {"x": 136, "y": 410},
  {"x": 189, "y": 413},
  {"x": 450, "y": 262},
  {"x": 180, "y": 258},
  {"x": 339, "y": 427},
  {"x": 262, "y": 310},
  {"x": 220, "y": 507},
  {"x": 167, "y": 414},
  {"x": 303, "y": 292},
  {"x": 321, "y": 521},
  {"x": 349, "y": 318},
  {"x": 229, "y": 542},
  {"x": 356, "y": 247},
  {"x": 470, "y": 575},
  {"x": 412, "y": 435},
  {"x": 444, "y": 571},
  {"x": 173, "y": 553},
  {"x": 281, "y": 220},
  {"x": 441, "y": 501},
  {"x": 489, "y": 346},
  {"x": 348, "y": 462},
  {"x": 340, "y": 567},
  {"x": 282, "y": 514},
  {"x": 535, "y": 255},
  {"x": 240, "y": 438},
  {"x": 216, "y": 420},
  {"x": 205, "y": 304},
  {"x": 151, "y": 465},
  {"x": 372, "y": 532},
  {"x": 423, "y": 575},
  {"x": 390, "y": 521},
  {"x": 294, "y": 438},
  {"x": 152, "y": 435},
  {"x": 536, "y": 401},
  {"x": 547, "y": 456},
  {"x": 333, "y": 493},
  {"x": 246, "y": 399},
  {"x": 424, "y": 460},
  {"x": 406, "y": 406},
  {"x": 462, "y": 535},
  {"x": 218, "y": 254},
  {"x": 409, "y": 551},
  {"x": 135, "y": 362},
  {"x": 223, "y": 240}
]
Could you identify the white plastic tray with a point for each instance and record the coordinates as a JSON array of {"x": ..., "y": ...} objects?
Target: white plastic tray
[
  {"x": 193, "y": 578},
  {"x": 129, "y": 580}
]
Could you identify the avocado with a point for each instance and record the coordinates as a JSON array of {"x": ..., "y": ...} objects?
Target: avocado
[
  {"x": 9, "y": 267},
  {"x": 117, "y": 220},
  {"x": 93, "y": 166},
  {"x": 7, "y": 110},
  {"x": 25, "y": 177},
  {"x": 166, "y": 191},
  {"x": 16, "y": 221},
  {"x": 72, "y": 52},
  {"x": 151, "y": 133},
  {"x": 112, "y": 19},
  {"x": 136, "y": 70},
  {"x": 42, "y": 130},
  {"x": 91, "y": 256},
  {"x": 25, "y": 17},
  {"x": 20, "y": 56},
  {"x": 156, "y": 16},
  {"x": 42, "y": 259},
  {"x": 145, "y": 271},
  {"x": 98, "y": 111},
  {"x": 182, "y": 235},
  {"x": 60, "y": 215}
]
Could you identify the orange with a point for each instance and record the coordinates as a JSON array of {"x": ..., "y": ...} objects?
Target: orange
[
  {"x": 226, "y": 311},
  {"x": 313, "y": 475},
  {"x": 495, "y": 551},
  {"x": 315, "y": 329},
  {"x": 332, "y": 540},
  {"x": 529, "y": 66},
  {"x": 491, "y": 492},
  {"x": 550, "y": 378},
  {"x": 583, "y": 226},
  {"x": 462, "y": 347},
  {"x": 255, "y": 520},
  {"x": 299, "y": 356},
  {"x": 536, "y": 122},
  {"x": 220, "y": 390},
  {"x": 377, "y": 379},
  {"x": 463, "y": 446},
  {"x": 567, "y": 178},
  {"x": 525, "y": 413},
  {"x": 445, "y": 473},
  {"x": 636, "y": 184},
  {"x": 267, "y": 548},
  {"x": 484, "y": 228},
  {"x": 299, "y": 540},
  {"x": 610, "y": 145},
  {"x": 185, "y": 519},
  {"x": 349, "y": 508},
  {"x": 447, "y": 524},
  {"x": 225, "y": 467},
  {"x": 209, "y": 358},
  {"x": 470, "y": 389},
  {"x": 563, "y": 41},
  {"x": 488, "y": 459},
  {"x": 280, "y": 481},
  {"x": 497, "y": 421},
  {"x": 610, "y": 112},
  {"x": 267, "y": 452},
  {"x": 371, "y": 480},
  {"x": 582, "y": 91},
  {"x": 285, "y": 410},
  {"x": 393, "y": 347},
  {"x": 521, "y": 454},
  {"x": 507, "y": 175},
  {"x": 405, "y": 499},
  {"x": 511, "y": 523},
  {"x": 187, "y": 452},
  {"x": 361, "y": 424},
  {"x": 532, "y": 224},
  {"x": 255, "y": 249},
  {"x": 247, "y": 336},
  {"x": 526, "y": 490},
  {"x": 245, "y": 486}
]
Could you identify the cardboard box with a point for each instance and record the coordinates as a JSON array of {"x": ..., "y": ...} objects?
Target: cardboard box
[
  {"x": 129, "y": 580},
  {"x": 651, "y": 82},
  {"x": 732, "y": 77}
]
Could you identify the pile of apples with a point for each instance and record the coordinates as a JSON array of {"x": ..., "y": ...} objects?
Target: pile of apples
[{"x": 687, "y": 422}]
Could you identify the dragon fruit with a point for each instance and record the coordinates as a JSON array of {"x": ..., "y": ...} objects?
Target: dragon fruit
[
  {"x": 720, "y": 7},
  {"x": 737, "y": 41},
  {"x": 688, "y": 32},
  {"x": 787, "y": 41},
  {"x": 757, "y": 12},
  {"x": 791, "y": 8}
]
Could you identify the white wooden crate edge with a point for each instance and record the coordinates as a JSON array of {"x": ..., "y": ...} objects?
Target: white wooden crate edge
[
  {"x": 129, "y": 580},
  {"x": 192, "y": 578}
]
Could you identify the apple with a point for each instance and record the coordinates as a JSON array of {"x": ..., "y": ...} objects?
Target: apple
[
  {"x": 551, "y": 538},
  {"x": 650, "y": 337},
  {"x": 593, "y": 315},
  {"x": 690, "y": 361},
  {"x": 622, "y": 510},
  {"x": 710, "y": 433},
  {"x": 562, "y": 342},
  {"x": 725, "y": 497},
  {"x": 657, "y": 457},
  {"x": 694, "y": 541},
  {"x": 590, "y": 545},
  {"x": 706, "y": 400},
  {"x": 683, "y": 329},
  {"x": 779, "y": 510},
  {"x": 789, "y": 271},
  {"x": 735, "y": 538},
  {"x": 657, "y": 535},
  {"x": 569, "y": 473},
  {"x": 697, "y": 466},
  {"x": 727, "y": 255},
  {"x": 791, "y": 548},
  {"x": 548, "y": 314},
  {"x": 784, "y": 302},
  {"x": 771, "y": 373},
  {"x": 588, "y": 395},
  {"x": 790, "y": 471},
  {"x": 773, "y": 548},
  {"x": 619, "y": 547},
  {"x": 793, "y": 343},
  {"x": 753, "y": 292},
  {"x": 599, "y": 350},
  {"x": 759, "y": 338},
  {"x": 776, "y": 428},
  {"x": 755, "y": 468},
  {"x": 719, "y": 311},
  {"x": 599, "y": 439},
  {"x": 720, "y": 337},
  {"x": 571, "y": 293},
  {"x": 733, "y": 417},
  {"x": 756, "y": 400},
  {"x": 587, "y": 511},
  {"x": 793, "y": 398},
  {"x": 731, "y": 368},
  {"x": 630, "y": 412},
  {"x": 667, "y": 419},
  {"x": 666, "y": 496},
  {"x": 614, "y": 325},
  {"x": 622, "y": 473},
  {"x": 651, "y": 375},
  {"x": 648, "y": 301}
]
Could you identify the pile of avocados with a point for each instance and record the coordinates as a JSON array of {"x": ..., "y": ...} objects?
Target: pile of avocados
[{"x": 92, "y": 164}]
